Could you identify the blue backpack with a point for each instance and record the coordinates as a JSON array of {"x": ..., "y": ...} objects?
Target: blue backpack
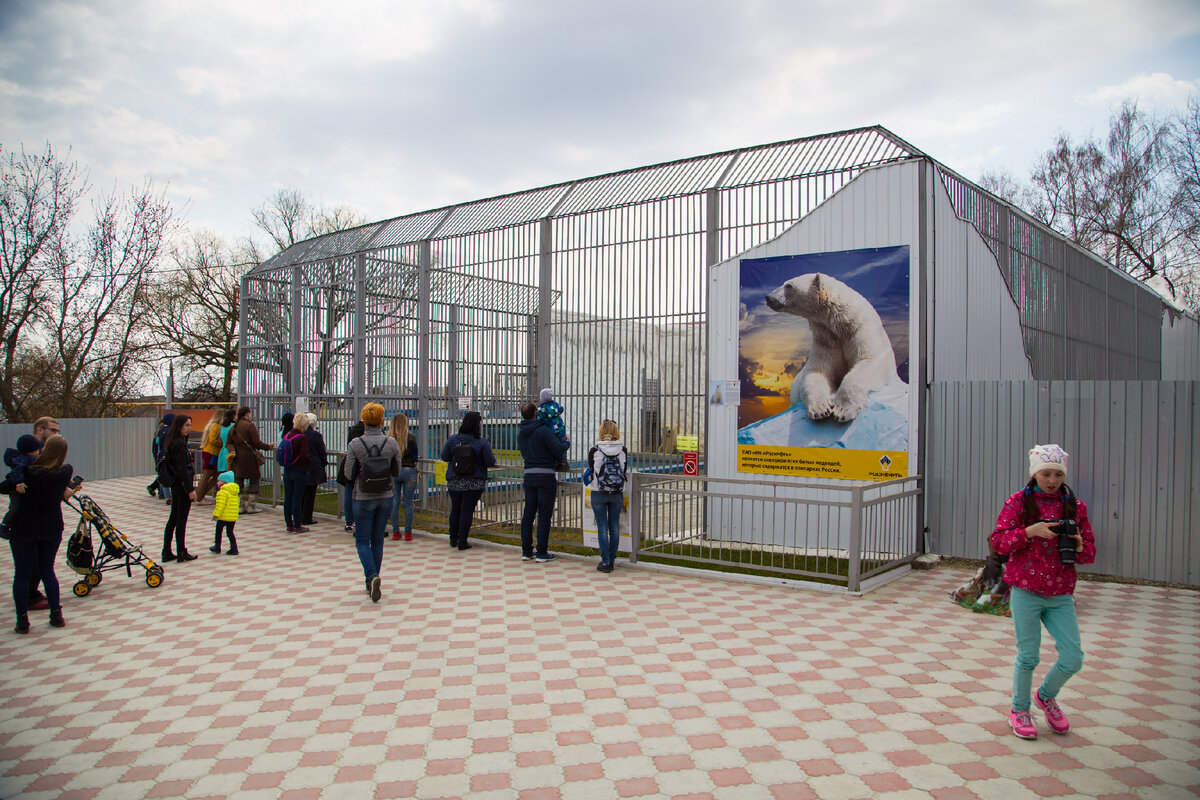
[{"x": 284, "y": 453}]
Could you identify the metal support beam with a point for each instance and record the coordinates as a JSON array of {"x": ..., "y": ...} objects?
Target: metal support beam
[
  {"x": 545, "y": 296},
  {"x": 424, "y": 282}
]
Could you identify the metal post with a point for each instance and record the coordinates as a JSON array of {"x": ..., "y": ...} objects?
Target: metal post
[
  {"x": 635, "y": 516},
  {"x": 854, "y": 550},
  {"x": 359, "y": 357},
  {"x": 243, "y": 335},
  {"x": 424, "y": 282},
  {"x": 545, "y": 295},
  {"x": 294, "y": 332}
]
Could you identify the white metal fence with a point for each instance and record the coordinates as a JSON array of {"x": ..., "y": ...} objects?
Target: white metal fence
[{"x": 1133, "y": 447}]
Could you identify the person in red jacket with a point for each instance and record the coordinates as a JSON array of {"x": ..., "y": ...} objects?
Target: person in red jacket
[{"x": 1044, "y": 531}]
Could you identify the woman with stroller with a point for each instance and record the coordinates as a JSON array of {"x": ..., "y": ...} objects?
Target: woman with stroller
[
  {"x": 183, "y": 478},
  {"x": 37, "y": 528}
]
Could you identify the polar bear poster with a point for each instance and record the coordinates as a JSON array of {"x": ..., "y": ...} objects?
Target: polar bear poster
[{"x": 823, "y": 364}]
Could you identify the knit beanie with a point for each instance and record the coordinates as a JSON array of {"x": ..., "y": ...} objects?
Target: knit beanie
[
  {"x": 546, "y": 395},
  {"x": 1047, "y": 456},
  {"x": 226, "y": 477},
  {"x": 28, "y": 444}
]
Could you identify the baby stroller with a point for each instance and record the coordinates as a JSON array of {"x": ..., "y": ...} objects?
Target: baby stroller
[{"x": 115, "y": 552}]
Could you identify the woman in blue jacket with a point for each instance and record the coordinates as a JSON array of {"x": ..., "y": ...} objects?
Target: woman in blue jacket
[{"x": 465, "y": 490}]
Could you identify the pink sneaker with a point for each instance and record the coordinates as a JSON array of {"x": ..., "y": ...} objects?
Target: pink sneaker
[
  {"x": 1022, "y": 724},
  {"x": 1055, "y": 717}
]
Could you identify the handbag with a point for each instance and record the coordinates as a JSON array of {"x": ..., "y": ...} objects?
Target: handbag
[{"x": 260, "y": 457}]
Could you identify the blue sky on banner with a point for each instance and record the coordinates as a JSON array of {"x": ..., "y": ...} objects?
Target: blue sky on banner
[{"x": 395, "y": 106}]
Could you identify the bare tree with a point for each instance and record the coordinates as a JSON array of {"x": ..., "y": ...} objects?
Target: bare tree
[
  {"x": 194, "y": 314},
  {"x": 38, "y": 194},
  {"x": 99, "y": 301}
]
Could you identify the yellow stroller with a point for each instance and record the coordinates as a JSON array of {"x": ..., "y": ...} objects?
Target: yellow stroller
[{"x": 115, "y": 552}]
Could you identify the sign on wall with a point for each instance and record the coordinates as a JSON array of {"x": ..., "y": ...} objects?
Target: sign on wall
[{"x": 823, "y": 357}]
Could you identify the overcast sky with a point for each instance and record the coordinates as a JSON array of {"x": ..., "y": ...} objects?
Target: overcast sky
[{"x": 396, "y": 106}]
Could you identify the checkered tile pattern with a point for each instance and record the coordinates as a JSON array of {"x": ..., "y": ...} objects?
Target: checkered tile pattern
[{"x": 272, "y": 675}]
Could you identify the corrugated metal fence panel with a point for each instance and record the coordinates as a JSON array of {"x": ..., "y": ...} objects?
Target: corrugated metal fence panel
[
  {"x": 99, "y": 449},
  {"x": 1133, "y": 448}
]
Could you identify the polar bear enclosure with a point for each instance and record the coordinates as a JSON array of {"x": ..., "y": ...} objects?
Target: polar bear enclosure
[{"x": 619, "y": 292}]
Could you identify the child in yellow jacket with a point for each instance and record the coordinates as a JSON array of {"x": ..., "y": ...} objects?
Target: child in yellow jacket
[{"x": 225, "y": 512}]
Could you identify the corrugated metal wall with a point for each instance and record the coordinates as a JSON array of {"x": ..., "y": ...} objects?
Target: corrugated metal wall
[
  {"x": 1133, "y": 448},
  {"x": 99, "y": 448}
]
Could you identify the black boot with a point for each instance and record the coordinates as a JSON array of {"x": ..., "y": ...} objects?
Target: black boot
[
  {"x": 216, "y": 548},
  {"x": 22, "y": 624},
  {"x": 232, "y": 551},
  {"x": 56, "y": 618}
]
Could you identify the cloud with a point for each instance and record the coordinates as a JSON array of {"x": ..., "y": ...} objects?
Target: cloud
[{"x": 1154, "y": 89}]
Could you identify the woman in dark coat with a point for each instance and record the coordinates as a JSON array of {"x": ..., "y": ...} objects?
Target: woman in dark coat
[
  {"x": 295, "y": 475},
  {"x": 318, "y": 459},
  {"x": 183, "y": 488},
  {"x": 244, "y": 444},
  {"x": 465, "y": 490},
  {"x": 37, "y": 528}
]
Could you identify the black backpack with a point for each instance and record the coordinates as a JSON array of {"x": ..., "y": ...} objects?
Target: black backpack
[
  {"x": 375, "y": 472},
  {"x": 463, "y": 460}
]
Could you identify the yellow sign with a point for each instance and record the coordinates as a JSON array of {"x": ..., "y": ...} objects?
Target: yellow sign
[
  {"x": 687, "y": 443},
  {"x": 823, "y": 462},
  {"x": 439, "y": 472}
]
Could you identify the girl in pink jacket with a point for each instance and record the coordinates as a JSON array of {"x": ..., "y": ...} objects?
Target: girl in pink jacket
[{"x": 1044, "y": 531}]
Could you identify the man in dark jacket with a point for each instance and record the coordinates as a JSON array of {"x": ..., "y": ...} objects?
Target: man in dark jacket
[
  {"x": 156, "y": 452},
  {"x": 541, "y": 451},
  {"x": 43, "y": 429}
]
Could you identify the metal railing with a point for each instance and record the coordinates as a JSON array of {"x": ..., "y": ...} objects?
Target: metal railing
[{"x": 840, "y": 534}]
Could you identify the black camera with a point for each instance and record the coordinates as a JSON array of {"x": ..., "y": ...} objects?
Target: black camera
[{"x": 1066, "y": 530}]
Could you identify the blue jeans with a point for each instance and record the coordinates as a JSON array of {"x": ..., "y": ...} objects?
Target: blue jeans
[
  {"x": 404, "y": 490},
  {"x": 31, "y": 558},
  {"x": 606, "y": 506},
  {"x": 540, "y": 491},
  {"x": 370, "y": 527},
  {"x": 293, "y": 497},
  {"x": 1030, "y": 611}
]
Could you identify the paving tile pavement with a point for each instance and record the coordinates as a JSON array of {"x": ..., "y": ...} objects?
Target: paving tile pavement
[{"x": 271, "y": 675}]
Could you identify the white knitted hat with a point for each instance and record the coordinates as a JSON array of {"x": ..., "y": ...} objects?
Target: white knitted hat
[
  {"x": 546, "y": 395},
  {"x": 1047, "y": 456}
]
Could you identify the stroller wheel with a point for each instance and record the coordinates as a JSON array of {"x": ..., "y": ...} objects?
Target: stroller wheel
[
  {"x": 82, "y": 589},
  {"x": 93, "y": 578},
  {"x": 154, "y": 579}
]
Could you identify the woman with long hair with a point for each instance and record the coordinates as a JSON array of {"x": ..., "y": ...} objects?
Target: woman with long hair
[
  {"x": 183, "y": 490},
  {"x": 244, "y": 446},
  {"x": 37, "y": 528},
  {"x": 210, "y": 457},
  {"x": 404, "y": 487}
]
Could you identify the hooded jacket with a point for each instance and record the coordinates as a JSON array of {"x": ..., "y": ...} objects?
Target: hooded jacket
[{"x": 540, "y": 448}]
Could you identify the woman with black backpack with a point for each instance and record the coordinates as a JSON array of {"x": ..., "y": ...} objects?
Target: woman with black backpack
[
  {"x": 607, "y": 464},
  {"x": 469, "y": 456}
]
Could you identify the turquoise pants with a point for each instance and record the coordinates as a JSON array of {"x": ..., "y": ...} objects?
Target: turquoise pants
[{"x": 1030, "y": 612}]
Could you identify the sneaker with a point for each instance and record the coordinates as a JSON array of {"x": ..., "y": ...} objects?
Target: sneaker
[
  {"x": 1055, "y": 717},
  {"x": 395, "y": 536},
  {"x": 408, "y": 536},
  {"x": 607, "y": 568},
  {"x": 373, "y": 590},
  {"x": 544, "y": 557},
  {"x": 150, "y": 490},
  {"x": 527, "y": 558},
  {"x": 1022, "y": 724},
  {"x": 349, "y": 528},
  {"x": 299, "y": 529}
]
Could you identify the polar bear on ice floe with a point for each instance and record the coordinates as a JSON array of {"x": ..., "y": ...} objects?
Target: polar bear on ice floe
[{"x": 851, "y": 354}]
